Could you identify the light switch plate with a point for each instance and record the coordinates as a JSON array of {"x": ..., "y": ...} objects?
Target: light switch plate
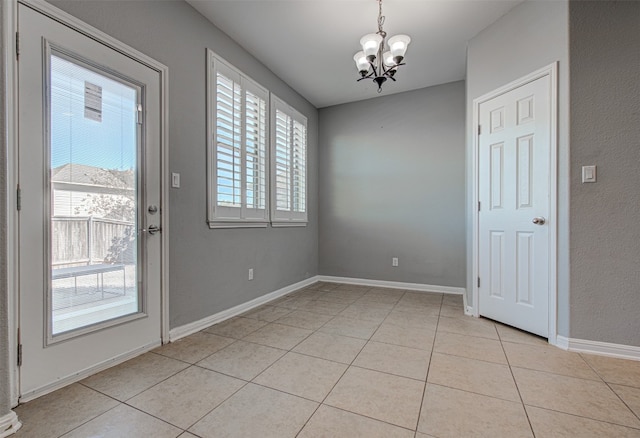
[
  {"x": 588, "y": 174},
  {"x": 175, "y": 180}
]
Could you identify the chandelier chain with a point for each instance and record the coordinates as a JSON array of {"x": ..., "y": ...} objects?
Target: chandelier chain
[{"x": 380, "y": 17}]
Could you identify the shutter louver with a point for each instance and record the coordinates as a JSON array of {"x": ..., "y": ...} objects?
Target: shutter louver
[{"x": 228, "y": 135}]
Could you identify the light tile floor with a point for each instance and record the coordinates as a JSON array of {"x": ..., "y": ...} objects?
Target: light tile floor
[{"x": 336, "y": 360}]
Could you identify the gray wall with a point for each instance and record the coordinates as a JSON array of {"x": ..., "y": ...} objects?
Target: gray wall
[
  {"x": 605, "y": 131},
  {"x": 392, "y": 185},
  {"x": 531, "y": 36},
  {"x": 208, "y": 268},
  {"x": 5, "y": 393}
]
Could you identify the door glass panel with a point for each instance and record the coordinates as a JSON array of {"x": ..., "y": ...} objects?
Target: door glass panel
[{"x": 93, "y": 255}]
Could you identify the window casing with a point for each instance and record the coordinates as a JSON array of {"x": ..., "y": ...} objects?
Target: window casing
[
  {"x": 238, "y": 164},
  {"x": 288, "y": 165}
]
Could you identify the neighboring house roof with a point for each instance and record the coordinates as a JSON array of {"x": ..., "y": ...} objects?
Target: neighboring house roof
[{"x": 94, "y": 176}]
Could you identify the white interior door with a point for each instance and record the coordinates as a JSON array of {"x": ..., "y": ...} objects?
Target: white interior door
[
  {"x": 514, "y": 193},
  {"x": 89, "y": 174}
]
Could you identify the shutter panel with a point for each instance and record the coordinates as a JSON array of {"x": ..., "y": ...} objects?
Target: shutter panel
[
  {"x": 289, "y": 164},
  {"x": 255, "y": 153},
  {"x": 228, "y": 147},
  {"x": 237, "y": 152},
  {"x": 255, "y": 144},
  {"x": 299, "y": 167},
  {"x": 282, "y": 166}
]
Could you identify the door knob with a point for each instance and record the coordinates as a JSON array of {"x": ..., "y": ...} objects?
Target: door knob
[
  {"x": 153, "y": 229},
  {"x": 539, "y": 220}
]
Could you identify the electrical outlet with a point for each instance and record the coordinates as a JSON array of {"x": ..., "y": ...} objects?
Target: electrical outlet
[
  {"x": 250, "y": 273},
  {"x": 394, "y": 261}
]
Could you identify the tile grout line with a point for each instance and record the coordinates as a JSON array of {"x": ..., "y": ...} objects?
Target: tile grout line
[
  {"x": 524, "y": 408},
  {"x": 426, "y": 379},
  {"x": 637, "y": 415},
  {"x": 284, "y": 392},
  {"x": 125, "y": 402},
  {"x": 152, "y": 386},
  {"x": 246, "y": 383},
  {"x": 216, "y": 406},
  {"x": 121, "y": 403},
  {"x": 556, "y": 374},
  {"x": 582, "y": 416},
  {"x": 92, "y": 418},
  {"x": 471, "y": 358},
  {"x": 331, "y": 390},
  {"x": 336, "y": 383}
]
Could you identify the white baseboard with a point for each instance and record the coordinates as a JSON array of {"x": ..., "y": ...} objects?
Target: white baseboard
[
  {"x": 76, "y": 377},
  {"x": 9, "y": 424},
  {"x": 561, "y": 342},
  {"x": 600, "y": 348},
  {"x": 394, "y": 284},
  {"x": 468, "y": 310},
  {"x": 196, "y": 326}
]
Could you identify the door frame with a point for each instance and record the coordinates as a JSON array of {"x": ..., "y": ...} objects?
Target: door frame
[
  {"x": 550, "y": 70},
  {"x": 10, "y": 26}
]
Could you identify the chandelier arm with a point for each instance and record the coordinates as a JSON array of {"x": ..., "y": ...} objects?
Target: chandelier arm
[
  {"x": 369, "y": 76},
  {"x": 373, "y": 67}
]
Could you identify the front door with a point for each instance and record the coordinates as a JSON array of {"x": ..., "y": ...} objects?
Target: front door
[
  {"x": 513, "y": 222},
  {"x": 89, "y": 174}
]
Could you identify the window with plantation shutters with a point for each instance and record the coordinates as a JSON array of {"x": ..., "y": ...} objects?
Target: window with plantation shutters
[
  {"x": 288, "y": 165},
  {"x": 237, "y": 148}
]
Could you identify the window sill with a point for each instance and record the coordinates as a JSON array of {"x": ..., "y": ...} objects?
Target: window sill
[
  {"x": 233, "y": 224},
  {"x": 288, "y": 224}
]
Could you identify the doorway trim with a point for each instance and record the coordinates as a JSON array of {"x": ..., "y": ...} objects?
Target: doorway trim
[
  {"x": 10, "y": 26},
  {"x": 552, "y": 71}
]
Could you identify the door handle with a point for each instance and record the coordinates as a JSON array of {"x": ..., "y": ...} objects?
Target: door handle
[
  {"x": 539, "y": 220},
  {"x": 153, "y": 229}
]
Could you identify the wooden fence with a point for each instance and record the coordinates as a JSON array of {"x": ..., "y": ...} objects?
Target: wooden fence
[{"x": 87, "y": 240}]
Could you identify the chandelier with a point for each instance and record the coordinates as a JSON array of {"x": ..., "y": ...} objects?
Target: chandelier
[{"x": 373, "y": 61}]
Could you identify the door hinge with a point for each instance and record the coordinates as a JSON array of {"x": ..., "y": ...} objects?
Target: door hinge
[
  {"x": 139, "y": 110},
  {"x": 478, "y": 205},
  {"x": 19, "y": 198},
  {"x": 19, "y": 355},
  {"x": 478, "y": 281},
  {"x": 479, "y": 129},
  {"x": 17, "y": 46}
]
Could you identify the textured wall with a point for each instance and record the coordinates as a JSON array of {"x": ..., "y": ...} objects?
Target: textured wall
[
  {"x": 208, "y": 268},
  {"x": 392, "y": 185},
  {"x": 605, "y": 131},
  {"x": 5, "y": 399},
  {"x": 531, "y": 36}
]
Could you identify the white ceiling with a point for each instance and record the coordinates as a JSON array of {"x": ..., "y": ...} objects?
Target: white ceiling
[{"x": 310, "y": 43}]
